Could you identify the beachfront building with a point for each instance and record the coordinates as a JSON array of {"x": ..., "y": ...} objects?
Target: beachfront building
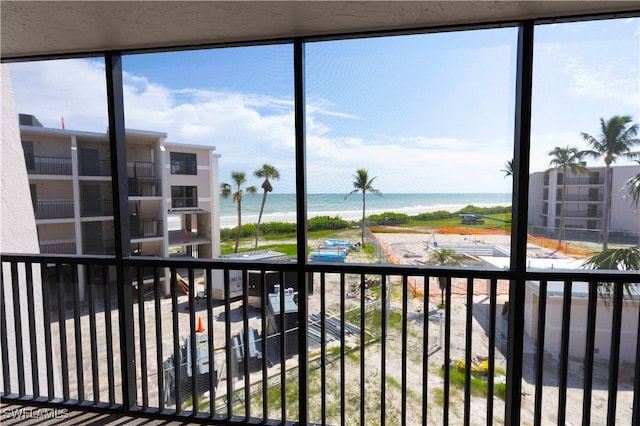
[
  {"x": 584, "y": 205},
  {"x": 70, "y": 185}
]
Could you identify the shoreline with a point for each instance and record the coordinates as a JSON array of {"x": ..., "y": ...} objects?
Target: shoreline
[{"x": 350, "y": 215}]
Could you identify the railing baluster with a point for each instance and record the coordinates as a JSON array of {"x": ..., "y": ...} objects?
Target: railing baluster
[
  {"x": 35, "y": 382},
  {"x": 192, "y": 343},
  {"x": 92, "y": 335},
  {"x": 425, "y": 346},
  {"x": 564, "y": 352},
  {"x": 246, "y": 344},
  {"x": 176, "y": 337},
  {"x": 263, "y": 321},
  {"x": 342, "y": 351},
  {"x": 384, "y": 318},
  {"x": 143, "y": 339},
  {"x": 211, "y": 354},
  {"x": 405, "y": 311},
  {"x": 229, "y": 343},
  {"x": 635, "y": 416},
  {"x": 158, "y": 322},
  {"x": 362, "y": 347},
  {"x": 3, "y": 336},
  {"x": 447, "y": 351},
  {"x": 77, "y": 331},
  {"x": 323, "y": 351},
  {"x": 283, "y": 352},
  {"x": 493, "y": 290},
  {"x": 108, "y": 331},
  {"x": 614, "y": 358},
  {"x": 17, "y": 322},
  {"x": 589, "y": 348},
  {"x": 46, "y": 314},
  {"x": 467, "y": 352},
  {"x": 62, "y": 331}
]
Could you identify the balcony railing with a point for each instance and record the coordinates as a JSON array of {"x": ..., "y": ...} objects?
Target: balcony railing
[
  {"x": 145, "y": 228},
  {"x": 142, "y": 169},
  {"x": 583, "y": 214},
  {"x": 145, "y": 187},
  {"x": 38, "y": 165},
  {"x": 585, "y": 181},
  {"x": 95, "y": 168},
  {"x": 584, "y": 197},
  {"x": 58, "y": 248},
  {"x": 54, "y": 209},
  {"x": 96, "y": 208},
  {"x": 356, "y": 339}
]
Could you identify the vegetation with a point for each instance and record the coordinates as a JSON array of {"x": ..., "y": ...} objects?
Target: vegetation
[
  {"x": 238, "y": 179},
  {"x": 633, "y": 185},
  {"x": 267, "y": 172},
  {"x": 616, "y": 140},
  {"x": 568, "y": 160},
  {"x": 362, "y": 183},
  {"x": 443, "y": 257},
  {"x": 478, "y": 385},
  {"x": 508, "y": 168},
  {"x": 627, "y": 259}
]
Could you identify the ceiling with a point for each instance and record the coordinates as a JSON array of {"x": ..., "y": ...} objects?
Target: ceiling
[{"x": 32, "y": 28}]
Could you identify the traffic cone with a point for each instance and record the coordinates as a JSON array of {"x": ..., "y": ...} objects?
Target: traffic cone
[{"x": 200, "y": 328}]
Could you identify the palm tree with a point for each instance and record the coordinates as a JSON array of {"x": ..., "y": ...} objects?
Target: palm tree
[
  {"x": 616, "y": 140},
  {"x": 363, "y": 183},
  {"x": 568, "y": 160},
  {"x": 633, "y": 185},
  {"x": 626, "y": 259},
  {"x": 239, "y": 179},
  {"x": 267, "y": 172},
  {"x": 508, "y": 168},
  {"x": 443, "y": 257}
]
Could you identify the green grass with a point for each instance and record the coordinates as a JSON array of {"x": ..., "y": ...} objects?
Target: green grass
[{"x": 478, "y": 386}]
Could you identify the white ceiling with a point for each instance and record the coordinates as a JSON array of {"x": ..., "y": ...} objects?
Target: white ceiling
[{"x": 30, "y": 28}]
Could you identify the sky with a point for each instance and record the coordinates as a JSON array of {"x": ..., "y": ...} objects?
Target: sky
[{"x": 422, "y": 113}]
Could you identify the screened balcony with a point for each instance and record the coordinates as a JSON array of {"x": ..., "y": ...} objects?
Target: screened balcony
[{"x": 376, "y": 343}]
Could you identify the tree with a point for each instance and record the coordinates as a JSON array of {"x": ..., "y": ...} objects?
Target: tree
[
  {"x": 364, "y": 184},
  {"x": 633, "y": 185},
  {"x": 616, "y": 139},
  {"x": 443, "y": 257},
  {"x": 508, "y": 168},
  {"x": 267, "y": 172},
  {"x": 568, "y": 160},
  {"x": 238, "y": 179},
  {"x": 626, "y": 259}
]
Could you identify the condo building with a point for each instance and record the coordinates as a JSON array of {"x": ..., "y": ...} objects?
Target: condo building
[
  {"x": 584, "y": 204},
  {"x": 172, "y": 194}
]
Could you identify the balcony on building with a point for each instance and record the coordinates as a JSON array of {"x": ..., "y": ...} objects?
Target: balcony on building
[{"x": 142, "y": 180}]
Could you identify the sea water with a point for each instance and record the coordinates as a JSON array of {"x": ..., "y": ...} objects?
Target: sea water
[{"x": 282, "y": 207}]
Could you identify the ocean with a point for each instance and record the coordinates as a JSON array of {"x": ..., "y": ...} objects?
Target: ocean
[{"x": 282, "y": 207}]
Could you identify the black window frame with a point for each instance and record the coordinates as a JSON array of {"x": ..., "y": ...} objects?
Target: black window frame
[
  {"x": 185, "y": 163},
  {"x": 181, "y": 193}
]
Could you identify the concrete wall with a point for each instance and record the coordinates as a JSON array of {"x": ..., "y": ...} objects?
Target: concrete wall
[
  {"x": 578, "y": 329},
  {"x": 18, "y": 235}
]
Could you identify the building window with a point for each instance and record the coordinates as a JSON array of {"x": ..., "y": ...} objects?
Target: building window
[
  {"x": 184, "y": 196},
  {"x": 183, "y": 163}
]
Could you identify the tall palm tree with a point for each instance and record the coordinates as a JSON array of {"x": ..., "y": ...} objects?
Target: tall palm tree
[
  {"x": 238, "y": 179},
  {"x": 508, "y": 168},
  {"x": 364, "y": 184},
  {"x": 443, "y": 257},
  {"x": 616, "y": 140},
  {"x": 267, "y": 172},
  {"x": 567, "y": 159}
]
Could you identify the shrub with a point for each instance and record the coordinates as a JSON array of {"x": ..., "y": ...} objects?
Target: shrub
[
  {"x": 320, "y": 223},
  {"x": 388, "y": 218}
]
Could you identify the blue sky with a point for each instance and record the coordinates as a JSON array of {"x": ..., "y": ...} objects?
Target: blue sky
[{"x": 427, "y": 113}]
